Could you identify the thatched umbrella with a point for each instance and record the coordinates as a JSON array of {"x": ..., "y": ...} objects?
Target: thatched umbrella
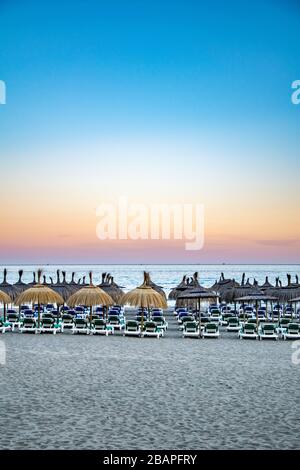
[
  {"x": 90, "y": 296},
  {"x": 144, "y": 296},
  {"x": 39, "y": 294},
  {"x": 266, "y": 285},
  {"x": 4, "y": 299},
  {"x": 111, "y": 288},
  {"x": 290, "y": 291},
  {"x": 7, "y": 287},
  {"x": 157, "y": 288},
  {"x": 62, "y": 287},
  {"x": 73, "y": 284},
  {"x": 20, "y": 286},
  {"x": 225, "y": 288},
  {"x": 33, "y": 282},
  {"x": 198, "y": 294},
  {"x": 245, "y": 288},
  {"x": 177, "y": 290},
  {"x": 193, "y": 285}
]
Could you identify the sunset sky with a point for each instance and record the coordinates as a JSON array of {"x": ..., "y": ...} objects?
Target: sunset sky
[{"x": 158, "y": 101}]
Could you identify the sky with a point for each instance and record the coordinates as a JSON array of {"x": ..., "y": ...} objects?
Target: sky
[{"x": 161, "y": 102}]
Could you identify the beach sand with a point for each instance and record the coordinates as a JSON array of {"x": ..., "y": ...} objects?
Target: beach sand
[{"x": 94, "y": 392}]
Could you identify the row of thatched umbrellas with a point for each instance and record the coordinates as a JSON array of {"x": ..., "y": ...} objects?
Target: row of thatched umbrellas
[
  {"x": 147, "y": 295},
  {"x": 190, "y": 292},
  {"x": 229, "y": 290}
]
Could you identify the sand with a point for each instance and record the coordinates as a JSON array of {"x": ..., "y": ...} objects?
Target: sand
[{"x": 94, "y": 392}]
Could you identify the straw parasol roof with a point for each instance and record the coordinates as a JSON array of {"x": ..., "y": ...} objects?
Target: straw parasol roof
[
  {"x": 176, "y": 291},
  {"x": 144, "y": 296},
  {"x": 266, "y": 285},
  {"x": 289, "y": 291},
  {"x": 90, "y": 296},
  {"x": 4, "y": 298},
  {"x": 73, "y": 284},
  {"x": 8, "y": 288},
  {"x": 111, "y": 288},
  {"x": 62, "y": 287},
  {"x": 39, "y": 294},
  {"x": 20, "y": 286},
  {"x": 33, "y": 282},
  {"x": 157, "y": 288},
  {"x": 244, "y": 289}
]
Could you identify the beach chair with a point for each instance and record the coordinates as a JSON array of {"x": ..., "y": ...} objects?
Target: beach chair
[
  {"x": 225, "y": 317},
  {"x": 116, "y": 322},
  {"x": 261, "y": 314},
  {"x": 233, "y": 324},
  {"x": 211, "y": 330},
  {"x": 100, "y": 327},
  {"x": 151, "y": 330},
  {"x": 282, "y": 326},
  {"x": 5, "y": 327},
  {"x": 28, "y": 325},
  {"x": 248, "y": 331},
  {"x": 268, "y": 331},
  {"x": 188, "y": 318},
  {"x": 28, "y": 313},
  {"x": 215, "y": 316},
  {"x": 181, "y": 315},
  {"x": 67, "y": 322},
  {"x": 191, "y": 329},
  {"x": 13, "y": 319},
  {"x": 48, "y": 325},
  {"x": 161, "y": 322},
  {"x": 81, "y": 326},
  {"x": 132, "y": 328},
  {"x": 292, "y": 331}
]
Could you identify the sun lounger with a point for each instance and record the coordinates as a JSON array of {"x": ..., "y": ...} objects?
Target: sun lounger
[
  {"x": 81, "y": 325},
  {"x": 233, "y": 324},
  {"x": 13, "y": 319},
  {"x": 48, "y": 325},
  {"x": 5, "y": 327},
  {"x": 151, "y": 330},
  {"x": 282, "y": 326},
  {"x": 116, "y": 322},
  {"x": 211, "y": 330},
  {"x": 248, "y": 331},
  {"x": 132, "y": 328},
  {"x": 161, "y": 323},
  {"x": 67, "y": 322},
  {"x": 28, "y": 325},
  {"x": 191, "y": 329},
  {"x": 100, "y": 327},
  {"x": 268, "y": 331},
  {"x": 188, "y": 318},
  {"x": 292, "y": 331}
]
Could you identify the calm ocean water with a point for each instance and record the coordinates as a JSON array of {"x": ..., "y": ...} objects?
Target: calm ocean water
[{"x": 165, "y": 275}]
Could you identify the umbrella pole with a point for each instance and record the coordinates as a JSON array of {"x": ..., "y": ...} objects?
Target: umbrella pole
[
  {"x": 39, "y": 314},
  {"x": 142, "y": 320},
  {"x": 4, "y": 312},
  {"x": 199, "y": 317},
  {"x": 91, "y": 314},
  {"x": 272, "y": 312},
  {"x": 256, "y": 307}
]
